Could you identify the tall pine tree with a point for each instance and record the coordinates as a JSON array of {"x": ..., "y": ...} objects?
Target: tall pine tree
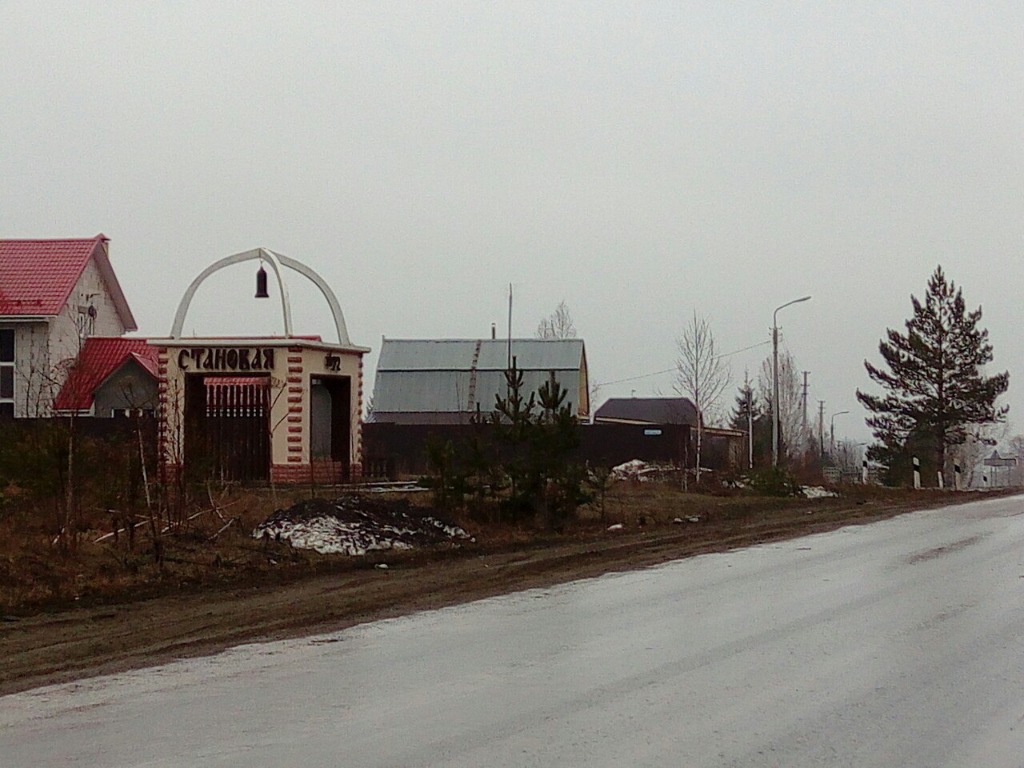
[
  {"x": 747, "y": 401},
  {"x": 935, "y": 385}
]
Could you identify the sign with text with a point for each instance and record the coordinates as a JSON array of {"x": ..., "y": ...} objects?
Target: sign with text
[{"x": 226, "y": 359}]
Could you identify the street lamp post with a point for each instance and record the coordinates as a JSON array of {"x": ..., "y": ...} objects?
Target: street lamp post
[
  {"x": 775, "y": 378},
  {"x": 832, "y": 432}
]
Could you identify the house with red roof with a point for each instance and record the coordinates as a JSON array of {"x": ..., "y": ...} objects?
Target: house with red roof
[
  {"x": 54, "y": 296},
  {"x": 113, "y": 376}
]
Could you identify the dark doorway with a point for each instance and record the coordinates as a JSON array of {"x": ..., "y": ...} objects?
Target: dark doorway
[
  {"x": 227, "y": 428},
  {"x": 330, "y": 417}
]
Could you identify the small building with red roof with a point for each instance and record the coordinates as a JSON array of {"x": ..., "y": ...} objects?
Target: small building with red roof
[
  {"x": 113, "y": 376},
  {"x": 54, "y": 296}
]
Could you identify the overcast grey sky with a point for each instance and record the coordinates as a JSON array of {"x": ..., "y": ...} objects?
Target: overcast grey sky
[{"x": 639, "y": 161}]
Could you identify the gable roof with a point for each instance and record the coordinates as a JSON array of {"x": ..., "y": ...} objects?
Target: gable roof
[
  {"x": 100, "y": 357},
  {"x": 648, "y": 410},
  {"x": 37, "y": 276},
  {"x": 446, "y": 380},
  {"x": 480, "y": 354}
]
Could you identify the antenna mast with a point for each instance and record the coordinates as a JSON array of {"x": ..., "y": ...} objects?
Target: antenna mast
[{"x": 510, "y": 326}]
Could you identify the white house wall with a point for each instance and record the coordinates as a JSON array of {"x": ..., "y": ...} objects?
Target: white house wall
[
  {"x": 45, "y": 350},
  {"x": 34, "y": 386},
  {"x": 72, "y": 326}
]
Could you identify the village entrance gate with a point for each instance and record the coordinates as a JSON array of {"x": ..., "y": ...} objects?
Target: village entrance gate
[
  {"x": 280, "y": 408},
  {"x": 227, "y": 436}
]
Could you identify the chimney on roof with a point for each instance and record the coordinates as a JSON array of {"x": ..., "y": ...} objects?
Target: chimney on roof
[{"x": 494, "y": 331}]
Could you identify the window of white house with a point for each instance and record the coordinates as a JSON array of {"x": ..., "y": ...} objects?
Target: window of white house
[{"x": 6, "y": 372}]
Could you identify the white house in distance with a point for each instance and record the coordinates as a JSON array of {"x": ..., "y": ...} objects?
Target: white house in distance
[{"x": 54, "y": 294}]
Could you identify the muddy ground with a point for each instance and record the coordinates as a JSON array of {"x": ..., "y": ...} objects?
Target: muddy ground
[{"x": 58, "y": 645}]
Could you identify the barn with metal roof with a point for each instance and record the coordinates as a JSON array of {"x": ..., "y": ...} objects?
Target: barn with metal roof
[{"x": 446, "y": 381}]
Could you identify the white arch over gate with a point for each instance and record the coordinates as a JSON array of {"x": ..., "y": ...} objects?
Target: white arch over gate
[{"x": 276, "y": 261}]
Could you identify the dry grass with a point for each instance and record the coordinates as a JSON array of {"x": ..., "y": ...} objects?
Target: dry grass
[
  {"x": 215, "y": 548},
  {"x": 37, "y": 570},
  {"x": 240, "y": 590}
]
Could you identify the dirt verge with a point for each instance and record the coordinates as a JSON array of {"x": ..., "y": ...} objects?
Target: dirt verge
[{"x": 63, "y": 645}]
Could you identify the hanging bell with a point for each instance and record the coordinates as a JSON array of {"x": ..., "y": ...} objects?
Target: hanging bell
[{"x": 261, "y": 284}]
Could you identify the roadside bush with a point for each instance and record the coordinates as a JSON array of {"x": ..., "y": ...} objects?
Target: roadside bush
[
  {"x": 64, "y": 475},
  {"x": 774, "y": 481},
  {"x": 517, "y": 464},
  {"x": 537, "y": 435},
  {"x": 714, "y": 483}
]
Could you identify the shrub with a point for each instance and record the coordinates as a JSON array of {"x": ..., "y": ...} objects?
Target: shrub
[{"x": 774, "y": 481}]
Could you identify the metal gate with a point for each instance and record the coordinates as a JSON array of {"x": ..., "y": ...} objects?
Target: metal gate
[{"x": 227, "y": 435}]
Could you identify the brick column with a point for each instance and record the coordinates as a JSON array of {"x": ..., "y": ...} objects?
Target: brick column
[
  {"x": 162, "y": 411},
  {"x": 295, "y": 405},
  {"x": 293, "y": 471},
  {"x": 356, "y": 470}
]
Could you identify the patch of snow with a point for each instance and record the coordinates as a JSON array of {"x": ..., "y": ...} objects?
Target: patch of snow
[
  {"x": 355, "y": 525},
  {"x": 641, "y": 471},
  {"x": 817, "y": 492},
  {"x": 393, "y": 488},
  {"x": 629, "y": 467},
  {"x": 615, "y": 527}
]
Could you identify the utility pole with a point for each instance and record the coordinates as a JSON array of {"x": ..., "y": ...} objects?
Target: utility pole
[
  {"x": 821, "y": 429},
  {"x": 509, "y": 327},
  {"x": 803, "y": 402},
  {"x": 776, "y": 423},
  {"x": 750, "y": 426}
]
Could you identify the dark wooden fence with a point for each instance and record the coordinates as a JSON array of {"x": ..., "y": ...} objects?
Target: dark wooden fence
[
  {"x": 107, "y": 430},
  {"x": 400, "y": 450},
  {"x": 106, "y": 448}
]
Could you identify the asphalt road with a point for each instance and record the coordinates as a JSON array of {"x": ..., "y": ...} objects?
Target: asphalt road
[{"x": 894, "y": 644}]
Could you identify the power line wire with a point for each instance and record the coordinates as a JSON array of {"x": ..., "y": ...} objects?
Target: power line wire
[{"x": 669, "y": 370}]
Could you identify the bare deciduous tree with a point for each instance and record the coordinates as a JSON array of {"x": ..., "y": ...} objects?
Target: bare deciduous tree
[
  {"x": 1016, "y": 450},
  {"x": 848, "y": 456},
  {"x": 979, "y": 441},
  {"x": 793, "y": 436},
  {"x": 702, "y": 374},
  {"x": 558, "y": 325}
]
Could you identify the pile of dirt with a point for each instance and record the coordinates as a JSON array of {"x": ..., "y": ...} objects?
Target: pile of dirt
[{"x": 356, "y": 524}]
